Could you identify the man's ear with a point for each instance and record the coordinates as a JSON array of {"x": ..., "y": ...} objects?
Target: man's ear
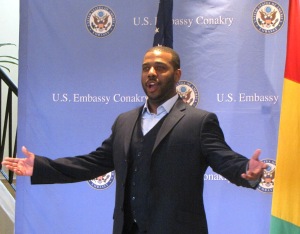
[{"x": 177, "y": 75}]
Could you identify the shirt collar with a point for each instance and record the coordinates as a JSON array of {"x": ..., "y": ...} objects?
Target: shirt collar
[{"x": 166, "y": 106}]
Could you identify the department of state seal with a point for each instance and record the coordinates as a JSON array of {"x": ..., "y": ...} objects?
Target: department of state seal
[
  {"x": 268, "y": 17},
  {"x": 103, "y": 181},
  {"x": 100, "y": 21},
  {"x": 266, "y": 184},
  {"x": 188, "y": 92}
]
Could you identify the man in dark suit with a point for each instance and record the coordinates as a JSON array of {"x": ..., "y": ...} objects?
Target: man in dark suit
[{"x": 159, "y": 152}]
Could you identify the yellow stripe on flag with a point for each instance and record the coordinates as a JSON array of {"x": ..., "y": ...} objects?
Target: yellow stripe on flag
[{"x": 286, "y": 196}]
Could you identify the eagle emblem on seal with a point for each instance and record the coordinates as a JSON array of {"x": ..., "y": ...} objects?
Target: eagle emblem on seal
[
  {"x": 268, "y": 19},
  {"x": 100, "y": 21}
]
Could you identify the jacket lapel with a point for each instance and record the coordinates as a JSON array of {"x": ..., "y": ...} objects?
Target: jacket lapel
[
  {"x": 130, "y": 122},
  {"x": 176, "y": 113}
]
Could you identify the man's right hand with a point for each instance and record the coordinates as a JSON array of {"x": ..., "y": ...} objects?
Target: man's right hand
[{"x": 21, "y": 166}]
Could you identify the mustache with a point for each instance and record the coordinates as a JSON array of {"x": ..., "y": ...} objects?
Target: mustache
[{"x": 152, "y": 79}]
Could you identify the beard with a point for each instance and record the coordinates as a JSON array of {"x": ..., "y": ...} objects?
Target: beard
[{"x": 158, "y": 91}]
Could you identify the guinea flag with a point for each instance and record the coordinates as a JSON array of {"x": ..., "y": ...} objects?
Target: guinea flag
[{"x": 285, "y": 217}]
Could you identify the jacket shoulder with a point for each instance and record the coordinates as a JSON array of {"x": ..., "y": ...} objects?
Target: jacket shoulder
[
  {"x": 198, "y": 112},
  {"x": 130, "y": 113}
]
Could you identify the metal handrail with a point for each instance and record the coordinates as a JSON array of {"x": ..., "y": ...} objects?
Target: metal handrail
[{"x": 7, "y": 125}]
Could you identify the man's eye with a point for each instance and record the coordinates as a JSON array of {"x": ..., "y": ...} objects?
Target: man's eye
[
  {"x": 146, "y": 69},
  {"x": 159, "y": 68}
]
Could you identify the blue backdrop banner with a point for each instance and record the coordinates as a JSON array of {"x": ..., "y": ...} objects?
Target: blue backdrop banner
[{"x": 80, "y": 66}]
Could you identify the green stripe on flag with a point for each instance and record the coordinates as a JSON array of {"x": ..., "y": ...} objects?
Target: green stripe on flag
[{"x": 279, "y": 226}]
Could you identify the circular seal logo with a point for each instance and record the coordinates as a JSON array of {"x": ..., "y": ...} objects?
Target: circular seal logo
[
  {"x": 268, "y": 17},
  {"x": 101, "y": 21},
  {"x": 188, "y": 92},
  {"x": 266, "y": 184},
  {"x": 103, "y": 181}
]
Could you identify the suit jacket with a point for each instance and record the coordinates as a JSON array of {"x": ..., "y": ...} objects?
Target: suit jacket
[{"x": 188, "y": 142}]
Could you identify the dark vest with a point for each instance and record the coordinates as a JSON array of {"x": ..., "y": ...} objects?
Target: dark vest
[{"x": 138, "y": 178}]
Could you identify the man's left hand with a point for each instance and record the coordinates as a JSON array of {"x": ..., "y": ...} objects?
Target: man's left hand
[{"x": 255, "y": 167}]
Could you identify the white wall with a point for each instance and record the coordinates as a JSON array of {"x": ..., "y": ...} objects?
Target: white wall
[{"x": 9, "y": 33}]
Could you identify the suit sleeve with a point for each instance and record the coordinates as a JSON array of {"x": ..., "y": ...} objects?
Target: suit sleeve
[
  {"x": 74, "y": 169},
  {"x": 220, "y": 157}
]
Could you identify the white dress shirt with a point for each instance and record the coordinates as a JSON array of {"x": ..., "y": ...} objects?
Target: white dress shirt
[{"x": 149, "y": 120}]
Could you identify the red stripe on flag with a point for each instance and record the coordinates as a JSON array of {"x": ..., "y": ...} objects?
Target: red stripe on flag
[{"x": 292, "y": 66}]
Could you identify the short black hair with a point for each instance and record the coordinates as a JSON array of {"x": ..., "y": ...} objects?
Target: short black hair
[{"x": 175, "y": 57}]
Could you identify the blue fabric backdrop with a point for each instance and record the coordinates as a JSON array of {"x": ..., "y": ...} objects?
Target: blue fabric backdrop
[{"x": 77, "y": 73}]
